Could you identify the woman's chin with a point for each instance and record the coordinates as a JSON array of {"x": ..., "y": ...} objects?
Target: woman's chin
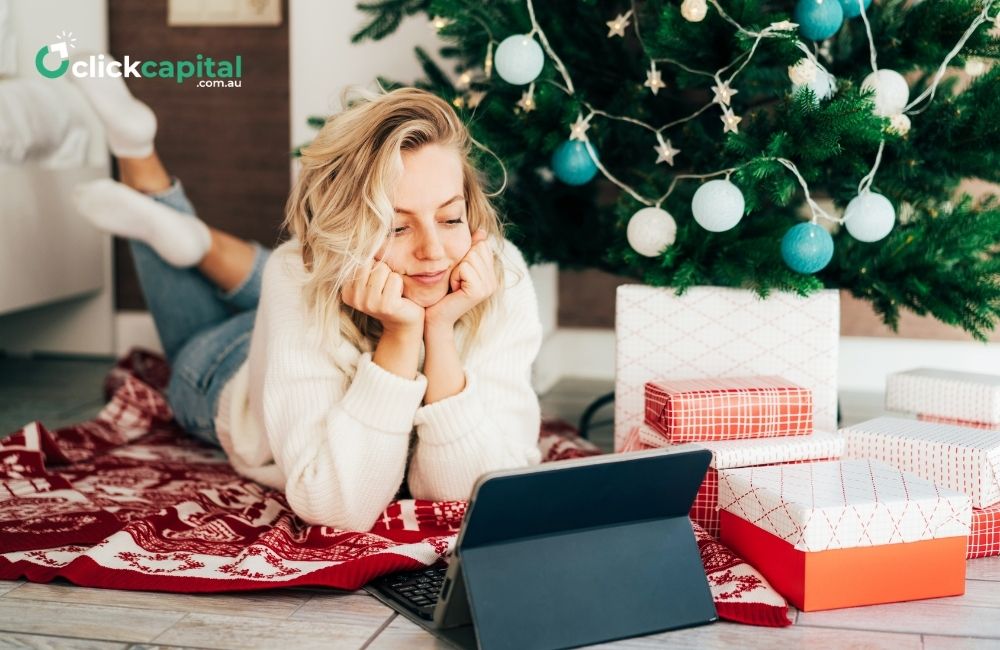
[{"x": 426, "y": 297}]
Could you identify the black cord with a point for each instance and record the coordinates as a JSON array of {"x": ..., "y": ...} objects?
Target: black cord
[{"x": 593, "y": 408}]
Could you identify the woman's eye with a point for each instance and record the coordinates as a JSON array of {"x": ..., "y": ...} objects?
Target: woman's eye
[
  {"x": 399, "y": 231},
  {"x": 454, "y": 221}
]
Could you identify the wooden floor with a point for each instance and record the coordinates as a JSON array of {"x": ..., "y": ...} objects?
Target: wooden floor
[{"x": 61, "y": 615}]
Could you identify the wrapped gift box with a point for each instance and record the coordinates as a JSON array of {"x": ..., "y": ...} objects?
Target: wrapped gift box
[
  {"x": 846, "y": 533},
  {"x": 729, "y": 454},
  {"x": 723, "y": 332},
  {"x": 963, "y": 459},
  {"x": 958, "y": 422},
  {"x": 984, "y": 538},
  {"x": 960, "y": 397},
  {"x": 727, "y": 408}
]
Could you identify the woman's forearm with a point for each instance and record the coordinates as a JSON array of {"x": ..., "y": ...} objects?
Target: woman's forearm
[
  {"x": 398, "y": 352},
  {"x": 442, "y": 365}
]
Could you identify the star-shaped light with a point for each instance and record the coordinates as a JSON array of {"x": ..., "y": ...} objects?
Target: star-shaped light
[
  {"x": 731, "y": 121},
  {"x": 723, "y": 92},
  {"x": 527, "y": 101},
  {"x": 440, "y": 22},
  {"x": 784, "y": 26},
  {"x": 475, "y": 98},
  {"x": 617, "y": 26},
  {"x": 579, "y": 129},
  {"x": 463, "y": 80},
  {"x": 653, "y": 80},
  {"x": 665, "y": 152}
]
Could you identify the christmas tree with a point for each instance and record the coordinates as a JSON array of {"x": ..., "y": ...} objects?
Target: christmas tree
[{"x": 711, "y": 142}]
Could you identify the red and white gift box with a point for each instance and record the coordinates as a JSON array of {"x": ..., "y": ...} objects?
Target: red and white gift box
[
  {"x": 960, "y": 458},
  {"x": 945, "y": 395},
  {"x": 729, "y": 454},
  {"x": 984, "y": 537},
  {"x": 846, "y": 533},
  {"x": 723, "y": 332},
  {"x": 727, "y": 408}
]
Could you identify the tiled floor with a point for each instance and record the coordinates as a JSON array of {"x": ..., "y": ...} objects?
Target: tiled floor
[{"x": 61, "y": 615}]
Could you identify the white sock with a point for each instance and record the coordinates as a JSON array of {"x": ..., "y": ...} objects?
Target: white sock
[
  {"x": 129, "y": 123},
  {"x": 179, "y": 238}
]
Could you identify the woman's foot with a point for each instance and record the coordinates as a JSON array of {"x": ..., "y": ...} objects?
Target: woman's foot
[
  {"x": 129, "y": 123},
  {"x": 180, "y": 239}
]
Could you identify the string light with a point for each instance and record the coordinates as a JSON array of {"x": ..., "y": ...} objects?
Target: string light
[{"x": 617, "y": 26}]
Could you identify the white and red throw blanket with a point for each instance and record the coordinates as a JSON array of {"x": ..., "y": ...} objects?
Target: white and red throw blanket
[{"x": 129, "y": 501}]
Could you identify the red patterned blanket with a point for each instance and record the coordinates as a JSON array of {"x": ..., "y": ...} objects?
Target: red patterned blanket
[{"x": 129, "y": 501}]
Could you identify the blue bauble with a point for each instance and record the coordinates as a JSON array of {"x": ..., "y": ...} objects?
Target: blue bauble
[
  {"x": 572, "y": 164},
  {"x": 819, "y": 19},
  {"x": 519, "y": 59},
  {"x": 807, "y": 248},
  {"x": 852, "y": 9}
]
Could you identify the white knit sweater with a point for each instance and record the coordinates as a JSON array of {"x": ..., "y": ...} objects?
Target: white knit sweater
[{"x": 338, "y": 443}]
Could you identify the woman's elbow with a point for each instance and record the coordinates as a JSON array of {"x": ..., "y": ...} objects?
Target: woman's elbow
[{"x": 334, "y": 512}]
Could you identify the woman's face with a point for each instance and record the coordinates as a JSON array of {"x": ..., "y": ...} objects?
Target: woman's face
[{"x": 430, "y": 231}]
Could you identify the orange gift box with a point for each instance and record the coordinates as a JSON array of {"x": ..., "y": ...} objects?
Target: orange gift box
[{"x": 846, "y": 533}]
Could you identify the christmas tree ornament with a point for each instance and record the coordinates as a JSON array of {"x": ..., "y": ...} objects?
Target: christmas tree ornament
[
  {"x": 694, "y": 10},
  {"x": 730, "y": 121},
  {"x": 617, "y": 26},
  {"x": 440, "y": 22},
  {"x": 718, "y": 205},
  {"x": 869, "y": 217},
  {"x": 899, "y": 123},
  {"x": 807, "y": 248},
  {"x": 723, "y": 92},
  {"x": 819, "y": 19},
  {"x": 803, "y": 72},
  {"x": 519, "y": 59},
  {"x": 476, "y": 98},
  {"x": 650, "y": 231},
  {"x": 891, "y": 91},
  {"x": 852, "y": 8},
  {"x": 653, "y": 80},
  {"x": 463, "y": 81},
  {"x": 665, "y": 151},
  {"x": 976, "y": 67},
  {"x": 820, "y": 82},
  {"x": 578, "y": 131},
  {"x": 527, "y": 101},
  {"x": 572, "y": 164}
]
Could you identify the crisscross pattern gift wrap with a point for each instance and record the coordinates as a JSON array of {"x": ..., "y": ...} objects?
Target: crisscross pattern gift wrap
[
  {"x": 129, "y": 501},
  {"x": 961, "y": 458},
  {"x": 843, "y": 504},
  {"x": 984, "y": 538},
  {"x": 960, "y": 397},
  {"x": 728, "y": 454},
  {"x": 723, "y": 332},
  {"x": 727, "y": 408}
]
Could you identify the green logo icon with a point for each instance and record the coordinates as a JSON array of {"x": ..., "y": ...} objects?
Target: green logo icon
[{"x": 61, "y": 48}]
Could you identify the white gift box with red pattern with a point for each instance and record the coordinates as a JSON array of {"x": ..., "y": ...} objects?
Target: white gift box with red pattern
[
  {"x": 729, "y": 454},
  {"x": 723, "y": 332},
  {"x": 960, "y": 458},
  {"x": 846, "y": 533},
  {"x": 984, "y": 536},
  {"x": 946, "y": 395}
]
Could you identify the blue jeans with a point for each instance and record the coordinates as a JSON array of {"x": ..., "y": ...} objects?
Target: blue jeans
[{"x": 205, "y": 332}]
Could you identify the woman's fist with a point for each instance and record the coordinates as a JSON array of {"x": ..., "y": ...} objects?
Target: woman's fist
[{"x": 378, "y": 292}]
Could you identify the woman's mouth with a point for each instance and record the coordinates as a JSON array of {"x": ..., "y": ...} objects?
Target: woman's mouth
[{"x": 429, "y": 279}]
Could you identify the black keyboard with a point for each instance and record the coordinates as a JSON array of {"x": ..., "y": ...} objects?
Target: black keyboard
[{"x": 418, "y": 591}]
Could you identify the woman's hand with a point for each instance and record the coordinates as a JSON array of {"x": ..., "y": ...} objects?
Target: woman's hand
[
  {"x": 378, "y": 292},
  {"x": 473, "y": 280}
]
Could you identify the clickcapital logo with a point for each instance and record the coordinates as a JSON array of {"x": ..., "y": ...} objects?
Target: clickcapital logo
[{"x": 209, "y": 72}]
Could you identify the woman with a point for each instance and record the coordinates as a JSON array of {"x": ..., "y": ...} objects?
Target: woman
[{"x": 390, "y": 338}]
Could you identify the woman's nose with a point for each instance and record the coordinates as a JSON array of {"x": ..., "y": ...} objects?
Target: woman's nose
[{"x": 430, "y": 246}]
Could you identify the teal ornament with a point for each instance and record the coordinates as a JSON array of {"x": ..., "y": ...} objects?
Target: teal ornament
[
  {"x": 519, "y": 59},
  {"x": 572, "y": 164},
  {"x": 807, "y": 248},
  {"x": 852, "y": 8},
  {"x": 819, "y": 19}
]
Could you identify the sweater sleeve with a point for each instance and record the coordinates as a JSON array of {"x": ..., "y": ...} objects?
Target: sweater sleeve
[
  {"x": 493, "y": 423},
  {"x": 342, "y": 446}
]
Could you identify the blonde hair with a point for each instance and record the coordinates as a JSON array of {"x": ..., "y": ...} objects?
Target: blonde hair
[{"x": 341, "y": 206}]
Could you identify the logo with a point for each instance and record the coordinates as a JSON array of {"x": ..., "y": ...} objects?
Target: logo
[{"x": 61, "y": 48}]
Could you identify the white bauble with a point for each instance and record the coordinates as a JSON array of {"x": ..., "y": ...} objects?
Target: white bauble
[
  {"x": 822, "y": 84},
  {"x": 718, "y": 205},
  {"x": 650, "y": 231},
  {"x": 976, "y": 67},
  {"x": 519, "y": 59},
  {"x": 869, "y": 217},
  {"x": 891, "y": 91},
  {"x": 803, "y": 72},
  {"x": 694, "y": 10},
  {"x": 899, "y": 123}
]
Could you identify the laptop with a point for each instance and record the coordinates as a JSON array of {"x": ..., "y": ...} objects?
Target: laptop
[{"x": 567, "y": 553}]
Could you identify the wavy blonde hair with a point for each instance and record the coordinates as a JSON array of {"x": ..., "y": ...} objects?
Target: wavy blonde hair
[{"x": 341, "y": 206}]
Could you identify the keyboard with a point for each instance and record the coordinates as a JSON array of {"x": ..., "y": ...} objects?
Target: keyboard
[{"x": 418, "y": 591}]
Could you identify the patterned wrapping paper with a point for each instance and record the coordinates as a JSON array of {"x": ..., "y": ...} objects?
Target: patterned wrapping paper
[
  {"x": 984, "y": 538},
  {"x": 957, "y": 396},
  {"x": 723, "y": 332},
  {"x": 960, "y": 458},
  {"x": 924, "y": 417},
  {"x": 727, "y": 408},
  {"x": 843, "y": 504},
  {"x": 817, "y": 446}
]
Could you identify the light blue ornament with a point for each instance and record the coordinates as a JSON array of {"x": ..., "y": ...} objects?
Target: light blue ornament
[
  {"x": 571, "y": 163},
  {"x": 819, "y": 19},
  {"x": 807, "y": 248},
  {"x": 852, "y": 9},
  {"x": 519, "y": 59}
]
